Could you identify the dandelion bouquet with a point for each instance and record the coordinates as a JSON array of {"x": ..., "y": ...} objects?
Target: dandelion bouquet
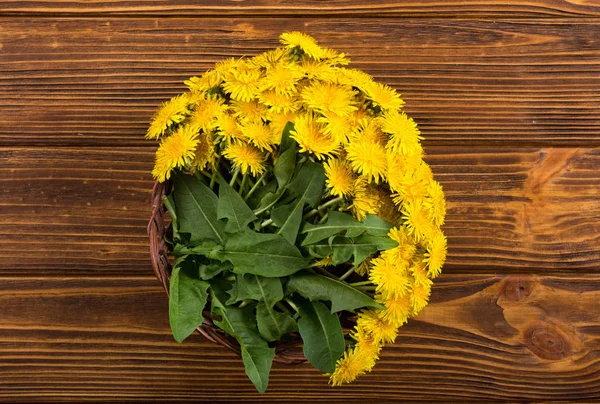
[{"x": 299, "y": 197}]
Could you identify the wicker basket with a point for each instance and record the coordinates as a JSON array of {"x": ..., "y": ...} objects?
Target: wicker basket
[{"x": 288, "y": 352}]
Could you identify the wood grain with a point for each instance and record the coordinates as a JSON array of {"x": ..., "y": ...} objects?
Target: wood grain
[
  {"x": 97, "y": 81},
  {"x": 388, "y": 8},
  {"x": 85, "y": 210},
  {"x": 482, "y": 337}
]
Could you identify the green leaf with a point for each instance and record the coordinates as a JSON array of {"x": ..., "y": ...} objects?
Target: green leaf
[
  {"x": 186, "y": 300},
  {"x": 341, "y": 295},
  {"x": 339, "y": 222},
  {"x": 239, "y": 323},
  {"x": 169, "y": 204},
  {"x": 232, "y": 207},
  {"x": 273, "y": 324},
  {"x": 260, "y": 288},
  {"x": 286, "y": 163},
  {"x": 309, "y": 183},
  {"x": 196, "y": 209},
  {"x": 262, "y": 254},
  {"x": 343, "y": 248},
  {"x": 322, "y": 335},
  {"x": 289, "y": 219},
  {"x": 206, "y": 248},
  {"x": 208, "y": 269}
]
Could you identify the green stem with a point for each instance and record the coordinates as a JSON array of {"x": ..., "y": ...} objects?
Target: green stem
[
  {"x": 266, "y": 223},
  {"x": 366, "y": 288},
  {"x": 325, "y": 272},
  {"x": 292, "y": 305},
  {"x": 323, "y": 206},
  {"x": 234, "y": 177},
  {"x": 283, "y": 308},
  {"x": 255, "y": 187},
  {"x": 324, "y": 218},
  {"x": 362, "y": 283},
  {"x": 245, "y": 303},
  {"x": 213, "y": 178},
  {"x": 347, "y": 274},
  {"x": 244, "y": 181}
]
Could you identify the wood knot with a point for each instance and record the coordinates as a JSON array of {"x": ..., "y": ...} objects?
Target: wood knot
[
  {"x": 548, "y": 342},
  {"x": 517, "y": 288}
]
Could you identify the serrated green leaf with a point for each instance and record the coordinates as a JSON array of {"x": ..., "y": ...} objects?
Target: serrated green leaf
[
  {"x": 255, "y": 287},
  {"x": 309, "y": 183},
  {"x": 341, "y": 295},
  {"x": 262, "y": 254},
  {"x": 321, "y": 334},
  {"x": 196, "y": 209},
  {"x": 273, "y": 324},
  {"x": 207, "y": 248},
  {"x": 289, "y": 219},
  {"x": 239, "y": 323},
  {"x": 286, "y": 163},
  {"x": 231, "y": 206},
  {"x": 208, "y": 269},
  {"x": 187, "y": 299},
  {"x": 170, "y": 205},
  {"x": 338, "y": 223},
  {"x": 343, "y": 248}
]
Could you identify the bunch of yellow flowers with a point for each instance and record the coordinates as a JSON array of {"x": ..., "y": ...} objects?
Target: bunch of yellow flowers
[{"x": 369, "y": 148}]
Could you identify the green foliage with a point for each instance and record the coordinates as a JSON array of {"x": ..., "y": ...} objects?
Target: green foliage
[
  {"x": 187, "y": 299},
  {"x": 259, "y": 288},
  {"x": 262, "y": 254},
  {"x": 273, "y": 324},
  {"x": 196, "y": 209},
  {"x": 341, "y": 295},
  {"x": 322, "y": 335},
  {"x": 344, "y": 248},
  {"x": 232, "y": 207},
  {"x": 238, "y": 322},
  {"x": 344, "y": 224}
]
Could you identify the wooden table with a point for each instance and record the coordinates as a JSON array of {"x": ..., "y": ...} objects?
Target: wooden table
[{"x": 506, "y": 93}]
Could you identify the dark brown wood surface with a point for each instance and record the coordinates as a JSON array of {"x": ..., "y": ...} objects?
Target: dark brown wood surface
[{"x": 506, "y": 93}]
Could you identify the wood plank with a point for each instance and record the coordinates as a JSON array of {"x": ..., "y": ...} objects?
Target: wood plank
[
  {"x": 483, "y": 337},
  {"x": 97, "y": 81},
  {"x": 85, "y": 210},
  {"x": 388, "y": 8}
]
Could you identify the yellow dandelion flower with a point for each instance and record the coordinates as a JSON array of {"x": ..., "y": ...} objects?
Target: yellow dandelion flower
[
  {"x": 260, "y": 135},
  {"x": 314, "y": 69},
  {"x": 226, "y": 65},
  {"x": 340, "y": 178},
  {"x": 409, "y": 187},
  {"x": 208, "y": 80},
  {"x": 349, "y": 367},
  {"x": 270, "y": 58},
  {"x": 334, "y": 57},
  {"x": 282, "y": 78},
  {"x": 175, "y": 151},
  {"x": 242, "y": 85},
  {"x": 364, "y": 267},
  {"x": 399, "y": 165},
  {"x": 305, "y": 42},
  {"x": 435, "y": 203},
  {"x": 311, "y": 137},
  {"x": 171, "y": 112},
  {"x": 420, "y": 296},
  {"x": 418, "y": 271},
  {"x": 383, "y": 96},
  {"x": 435, "y": 256},
  {"x": 389, "y": 278},
  {"x": 246, "y": 157},
  {"x": 339, "y": 127},
  {"x": 279, "y": 121},
  {"x": 371, "y": 322},
  {"x": 366, "y": 345},
  {"x": 368, "y": 130},
  {"x": 364, "y": 199},
  {"x": 406, "y": 247},
  {"x": 355, "y": 78},
  {"x": 405, "y": 134},
  {"x": 387, "y": 210},
  {"x": 249, "y": 111},
  {"x": 228, "y": 128},
  {"x": 325, "y": 262},
  {"x": 278, "y": 103},
  {"x": 205, "y": 154},
  {"x": 368, "y": 159},
  {"x": 417, "y": 220},
  {"x": 397, "y": 308},
  {"x": 206, "y": 113},
  {"x": 327, "y": 98}
]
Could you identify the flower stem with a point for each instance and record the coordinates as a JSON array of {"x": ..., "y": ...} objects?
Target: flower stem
[
  {"x": 243, "y": 185},
  {"x": 363, "y": 283},
  {"x": 325, "y": 272},
  {"x": 324, "y": 218},
  {"x": 366, "y": 288},
  {"x": 282, "y": 307},
  {"x": 255, "y": 187},
  {"x": 327, "y": 204},
  {"x": 292, "y": 304},
  {"x": 347, "y": 274},
  {"x": 234, "y": 177},
  {"x": 266, "y": 223}
]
